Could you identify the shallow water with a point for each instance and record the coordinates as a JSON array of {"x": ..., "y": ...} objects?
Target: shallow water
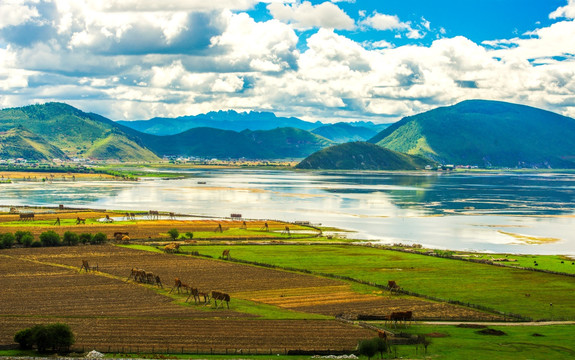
[{"x": 520, "y": 213}]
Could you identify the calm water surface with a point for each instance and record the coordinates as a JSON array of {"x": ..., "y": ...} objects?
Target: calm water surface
[{"x": 520, "y": 213}]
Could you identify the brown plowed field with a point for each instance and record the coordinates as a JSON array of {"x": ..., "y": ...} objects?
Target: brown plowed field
[
  {"x": 105, "y": 311},
  {"x": 280, "y": 288},
  {"x": 341, "y": 300},
  {"x": 201, "y": 335}
]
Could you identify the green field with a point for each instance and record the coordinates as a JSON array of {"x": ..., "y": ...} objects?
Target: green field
[
  {"x": 527, "y": 293},
  {"x": 520, "y": 342}
]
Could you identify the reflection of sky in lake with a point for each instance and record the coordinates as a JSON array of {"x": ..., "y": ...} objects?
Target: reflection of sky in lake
[{"x": 446, "y": 211}]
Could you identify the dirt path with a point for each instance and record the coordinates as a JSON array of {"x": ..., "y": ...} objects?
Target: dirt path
[{"x": 532, "y": 323}]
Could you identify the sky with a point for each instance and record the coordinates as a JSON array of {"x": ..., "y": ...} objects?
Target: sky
[{"x": 338, "y": 60}]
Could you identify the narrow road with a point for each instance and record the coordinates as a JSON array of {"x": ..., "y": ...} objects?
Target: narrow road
[{"x": 532, "y": 323}]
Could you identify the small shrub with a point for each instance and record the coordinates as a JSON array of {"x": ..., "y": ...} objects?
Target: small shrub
[
  {"x": 25, "y": 339},
  {"x": 85, "y": 238},
  {"x": 19, "y": 235},
  {"x": 174, "y": 233},
  {"x": 99, "y": 238},
  {"x": 190, "y": 235},
  {"x": 7, "y": 241},
  {"x": 70, "y": 238},
  {"x": 367, "y": 348},
  {"x": 50, "y": 238},
  {"x": 27, "y": 240},
  {"x": 57, "y": 337}
]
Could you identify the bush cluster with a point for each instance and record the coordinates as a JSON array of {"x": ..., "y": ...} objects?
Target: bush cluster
[
  {"x": 372, "y": 346},
  {"x": 49, "y": 238},
  {"x": 56, "y": 337}
]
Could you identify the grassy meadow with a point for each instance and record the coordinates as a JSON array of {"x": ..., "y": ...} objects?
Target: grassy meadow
[{"x": 527, "y": 293}]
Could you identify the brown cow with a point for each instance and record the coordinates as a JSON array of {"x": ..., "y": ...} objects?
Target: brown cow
[
  {"x": 392, "y": 285},
  {"x": 217, "y": 295}
]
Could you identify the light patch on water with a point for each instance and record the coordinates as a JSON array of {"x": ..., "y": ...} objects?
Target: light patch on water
[{"x": 529, "y": 240}]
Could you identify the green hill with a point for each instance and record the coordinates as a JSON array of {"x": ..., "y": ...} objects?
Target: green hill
[
  {"x": 287, "y": 142},
  {"x": 204, "y": 142},
  {"x": 77, "y": 133},
  {"x": 18, "y": 142},
  {"x": 362, "y": 156},
  {"x": 485, "y": 133},
  {"x": 278, "y": 143},
  {"x": 344, "y": 132}
]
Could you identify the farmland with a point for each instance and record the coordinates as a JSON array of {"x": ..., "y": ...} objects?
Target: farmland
[
  {"x": 142, "y": 227},
  {"x": 272, "y": 310},
  {"x": 105, "y": 310},
  {"x": 503, "y": 289}
]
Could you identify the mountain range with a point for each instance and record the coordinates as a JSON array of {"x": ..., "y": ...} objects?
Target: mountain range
[
  {"x": 253, "y": 120},
  {"x": 56, "y": 130},
  {"x": 475, "y": 132}
]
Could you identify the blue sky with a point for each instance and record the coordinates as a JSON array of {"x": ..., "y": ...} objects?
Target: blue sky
[{"x": 321, "y": 60}]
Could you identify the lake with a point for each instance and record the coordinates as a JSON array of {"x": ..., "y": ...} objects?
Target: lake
[{"x": 518, "y": 213}]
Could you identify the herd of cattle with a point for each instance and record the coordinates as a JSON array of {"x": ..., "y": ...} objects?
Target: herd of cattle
[{"x": 145, "y": 277}]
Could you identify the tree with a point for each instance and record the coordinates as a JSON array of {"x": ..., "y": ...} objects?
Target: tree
[
  {"x": 99, "y": 238},
  {"x": 50, "y": 238},
  {"x": 57, "y": 337},
  {"x": 70, "y": 238},
  {"x": 41, "y": 338},
  {"x": 381, "y": 346},
  {"x": 20, "y": 234},
  {"x": 25, "y": 339},
  {"x": 174, "y": 233},
  {"x": 85, "y": 238},
  {"x": 7, "y": 241},
  {"x": 61, "y": 337},
  {"x": 27, "y": 240},
  {"x": 425, "y": 341},
  {"x": 367, "y": 348},
  {"x": 190, "y": 235}
]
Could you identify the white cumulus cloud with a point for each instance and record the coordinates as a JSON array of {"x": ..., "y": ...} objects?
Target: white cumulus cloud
[
  {"x": 567, "y": 11},
  {"x": 305, "y": 15}
]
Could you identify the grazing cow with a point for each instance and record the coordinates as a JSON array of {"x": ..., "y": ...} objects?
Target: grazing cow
[
  {"x": 85, "y": 266},
  {"x": 286, "y": 231},
  {"x": 216, "y": 295},
  {"x": 108, "y": 220},
  {"x": 186, "y": 288},
  {"x": 219, "y": 229},
  {"x": 133, "y": 274},
  {"x": 198, "y": 295},
  {"x": 150, "y": 278},
  {"x": 265, "y": 227},
  {"x": 79, "y": 221},
  {"x": 226, "y": 254},
  {"x": 399, "y": 317},
  {"x": 172, "y": 216},
  {"x": 27, "y": 217},
  {"x": 177, "y": 285},
  {"x": 159, "y": 282},
  {"x": 153, "y": 214},
  {"x": 392, "y": 285}
]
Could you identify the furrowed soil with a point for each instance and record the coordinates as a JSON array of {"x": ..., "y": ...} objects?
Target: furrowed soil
[{"x": 106, "y": 311}]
